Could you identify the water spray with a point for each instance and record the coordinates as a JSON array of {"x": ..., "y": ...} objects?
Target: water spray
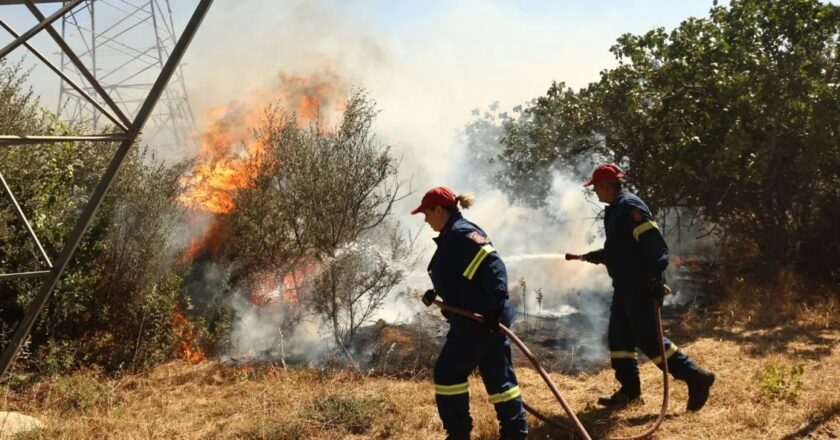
[{"x": 525, "y": 257}]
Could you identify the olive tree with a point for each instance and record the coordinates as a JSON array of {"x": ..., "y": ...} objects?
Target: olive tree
[{"x": 318, "y": 206}]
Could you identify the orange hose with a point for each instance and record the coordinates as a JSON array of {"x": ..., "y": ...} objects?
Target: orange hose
[
  {"x": 578, "y": 427},
  {"x": 649, "y": 432}
]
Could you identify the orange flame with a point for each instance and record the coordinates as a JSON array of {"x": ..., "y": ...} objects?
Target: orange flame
[
  {"x": 267, "y": 289},
  {"x": 290, "y": 286},
  {"x": 186, "y": 334},
  {"x": 210, "y": 240},
  {"x": 222, "y": 163},
  {"x": 228, "y": 147},
  {"x": 293, "y": 280}
]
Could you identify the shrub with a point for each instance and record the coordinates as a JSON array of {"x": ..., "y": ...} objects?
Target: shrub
[
  {"x": 79, "y": 392},
  {"x": 781, "y": 383},
  {"x": 353, "y": 415}
]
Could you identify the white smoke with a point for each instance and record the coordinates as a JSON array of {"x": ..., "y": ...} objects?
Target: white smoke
[
  {"x": 426, "y": 78},
  {"x": 532, "y": 243},
  {"x": 257, "y": 334}
]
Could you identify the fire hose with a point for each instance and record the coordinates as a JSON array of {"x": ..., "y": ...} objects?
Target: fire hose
[
  {"x": 578, "y": 426},
  {"x": 665, "y": 383},
  {"x": 506, "y": 331}
]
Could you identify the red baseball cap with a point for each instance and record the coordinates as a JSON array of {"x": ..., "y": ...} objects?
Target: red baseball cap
[
  {"x": 604, "y": 171},
  {"x": 437, "y": 196}
]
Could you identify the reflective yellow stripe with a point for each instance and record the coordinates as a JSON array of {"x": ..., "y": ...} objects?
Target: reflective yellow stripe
[
  {"x": 624, "y": 355},
  {"x": 476, "y": 261},
  {"x": 668, "y": 353},
  {"x": 452, "y": 390},
  {"x": 503, "y": 397},
  {"x": 644, "y": 227}
]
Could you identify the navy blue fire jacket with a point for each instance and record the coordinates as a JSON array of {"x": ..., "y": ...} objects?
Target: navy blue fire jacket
[
  {"x": 467, "y": 272},
  {"x": 635, "y": 251}
]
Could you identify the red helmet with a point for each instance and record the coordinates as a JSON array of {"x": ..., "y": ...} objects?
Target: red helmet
[
  {"x": 437, "y": 196},
  {"x": 604, "y": 171}
]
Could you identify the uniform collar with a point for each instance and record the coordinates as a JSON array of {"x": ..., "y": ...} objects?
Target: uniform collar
[
  {"x": 455, "y": 216},
  {"x": 619, "y": 197}
]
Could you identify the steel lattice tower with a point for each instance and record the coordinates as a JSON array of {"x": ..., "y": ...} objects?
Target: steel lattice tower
[
  {"x": 125, "y": 43},
  {"x": 107, "y": 90}
]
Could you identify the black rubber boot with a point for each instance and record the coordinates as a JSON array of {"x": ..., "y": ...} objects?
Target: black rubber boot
[
  {"x": 620, "y": 398},
  {"x": 699, "y": 384}
]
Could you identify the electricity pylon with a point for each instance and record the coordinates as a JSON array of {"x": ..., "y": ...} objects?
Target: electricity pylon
[{"x": 123, "y": 133}]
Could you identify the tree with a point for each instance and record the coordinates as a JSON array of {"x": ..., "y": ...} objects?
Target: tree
[
  {"x": 355, "y": 283},
  {"x": 732, "y": 118},
  {"x": 319, "y": 204},
  {"x": 118, "y": 287}
]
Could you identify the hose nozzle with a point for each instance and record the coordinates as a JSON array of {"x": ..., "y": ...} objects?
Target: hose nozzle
[{"x": 572, "y": 257}]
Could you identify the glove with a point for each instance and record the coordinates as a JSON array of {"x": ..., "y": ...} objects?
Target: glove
[
  {"x": 594, "y": 257},
  {"x": 657, "y": 288},
  {"x": 429, "y": 297},
  {"x": 492, "y": 319}
]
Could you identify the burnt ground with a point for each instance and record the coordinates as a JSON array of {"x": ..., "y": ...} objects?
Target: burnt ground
[
  {"x": 569, "y": 338},
  {"x": 571, "y": 344}
]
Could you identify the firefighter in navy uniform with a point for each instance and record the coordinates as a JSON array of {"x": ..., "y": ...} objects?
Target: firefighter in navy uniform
[
  {"x": 467, "y": 272},
  {"x": 636, "y": 256}
]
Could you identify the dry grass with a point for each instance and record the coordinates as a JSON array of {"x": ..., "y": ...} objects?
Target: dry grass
[
  {"x": 209, "y": 400},
  {"x": 781, "y": 298}
]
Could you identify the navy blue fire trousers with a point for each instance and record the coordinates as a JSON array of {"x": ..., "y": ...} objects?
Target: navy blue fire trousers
[
  {"x": 469, "y": 345},
  {"x": 633, "y": 325}
]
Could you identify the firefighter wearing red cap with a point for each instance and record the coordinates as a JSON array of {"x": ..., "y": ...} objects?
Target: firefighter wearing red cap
[
  {"x": 636, "y": 256},
  {"x": 467, "y": 272}
]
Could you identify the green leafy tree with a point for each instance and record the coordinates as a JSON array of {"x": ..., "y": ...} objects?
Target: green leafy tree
[
  {"x": 731, "y": 118},
  {"x": 114, "y": 303}
]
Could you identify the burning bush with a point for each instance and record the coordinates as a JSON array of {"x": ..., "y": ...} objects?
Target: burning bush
[
  {"x": 298, "y": 212},
  {"x": 315, "y": 196}
]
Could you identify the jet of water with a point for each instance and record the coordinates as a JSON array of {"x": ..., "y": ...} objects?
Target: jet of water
[{"x": 526, "y": 257}]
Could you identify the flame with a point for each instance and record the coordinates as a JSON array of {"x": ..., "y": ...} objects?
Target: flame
[
  {"x": 290, "y": 287},
  {"x": 222, "y": 165},
  {"x": 228, "y": 148},
  {"x": 294, "y": 279},
  {"x": 307, "y": 96},
  {"x": 210, "y": 240},
  {"x": 275, "y": 372},
  {"x": 267, "y": 288},
  {"x": 229, "y": 153},
  {"x": 186, "y": 334}
]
